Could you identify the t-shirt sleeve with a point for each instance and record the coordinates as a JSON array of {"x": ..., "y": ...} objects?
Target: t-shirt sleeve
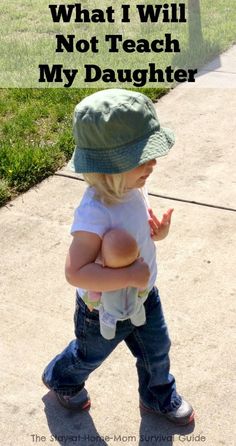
[{"x": 91, "y": 217}]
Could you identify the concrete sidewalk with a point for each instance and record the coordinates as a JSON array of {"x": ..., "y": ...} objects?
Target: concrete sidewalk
[{"x": 196, "y": 282}]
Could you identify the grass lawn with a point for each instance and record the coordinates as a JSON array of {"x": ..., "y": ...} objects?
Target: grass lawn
[{"x": 36, "y": 134}]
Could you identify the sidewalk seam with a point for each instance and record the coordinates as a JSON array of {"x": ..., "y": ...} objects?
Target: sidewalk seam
[{"x": 182, "y": 200}]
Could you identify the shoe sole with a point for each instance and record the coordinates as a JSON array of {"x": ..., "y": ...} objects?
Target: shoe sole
[
  {"x": 85, "y": 406},
  {"x": 181, "y": 422}
]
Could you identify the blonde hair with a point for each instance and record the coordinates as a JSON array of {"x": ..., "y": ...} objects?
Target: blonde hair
[{"x": 110, "y": 188}]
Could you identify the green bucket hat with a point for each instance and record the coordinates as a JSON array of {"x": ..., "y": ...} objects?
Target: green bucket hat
[{"x": 115, "y": 131}]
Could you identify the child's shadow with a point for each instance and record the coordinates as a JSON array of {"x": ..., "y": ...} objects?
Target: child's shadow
[
  {"x": 68, "y": 427},
  {"x": 156, "y": 430}
]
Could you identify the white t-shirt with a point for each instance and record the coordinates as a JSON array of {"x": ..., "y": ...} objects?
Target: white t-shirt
[{"x": 131, "y": 215}]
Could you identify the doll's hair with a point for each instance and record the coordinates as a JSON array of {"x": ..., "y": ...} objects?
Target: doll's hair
[{"x": 110, "y": 188}]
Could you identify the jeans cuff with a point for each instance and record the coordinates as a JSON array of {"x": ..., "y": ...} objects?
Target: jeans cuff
[{"x": 71, "y": 392}]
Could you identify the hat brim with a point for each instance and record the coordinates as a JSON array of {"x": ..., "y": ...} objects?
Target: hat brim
[{"x": 115, "y": 161}]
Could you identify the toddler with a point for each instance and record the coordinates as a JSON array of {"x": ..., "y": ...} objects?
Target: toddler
[{"x": 118, "y": 139}]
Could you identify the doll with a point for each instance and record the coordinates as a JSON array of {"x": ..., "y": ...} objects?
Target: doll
[{"x": 119, "y": 249}]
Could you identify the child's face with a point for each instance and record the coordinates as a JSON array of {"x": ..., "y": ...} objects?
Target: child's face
[{"x": 137, "y": 177}]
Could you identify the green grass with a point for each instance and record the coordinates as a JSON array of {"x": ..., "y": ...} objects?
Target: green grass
[{"x": 36, "y": 135}]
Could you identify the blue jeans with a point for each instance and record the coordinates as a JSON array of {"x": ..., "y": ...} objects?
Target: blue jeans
[{"x": 150, "y": 344}]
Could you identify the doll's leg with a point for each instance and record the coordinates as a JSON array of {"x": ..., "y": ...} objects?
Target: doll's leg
[
  {"x": 107, "y": 324},
  {"x": 139, "y": 318},
  {"x": 107, "y": 332}
]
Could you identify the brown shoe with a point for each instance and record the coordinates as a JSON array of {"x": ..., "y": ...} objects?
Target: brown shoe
[
  {"x": 80, "y": 401},
  {"x": 182, "y": 416}
]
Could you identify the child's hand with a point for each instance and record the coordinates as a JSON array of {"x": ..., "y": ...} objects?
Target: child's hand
[
  {"x": 139, "y": 273},
  {"x": 159, "y": 229}
]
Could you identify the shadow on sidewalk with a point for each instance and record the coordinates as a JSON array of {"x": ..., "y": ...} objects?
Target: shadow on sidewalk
[
  {"x": 68, "y": 427},
  {"x": 156, "y": 430}
]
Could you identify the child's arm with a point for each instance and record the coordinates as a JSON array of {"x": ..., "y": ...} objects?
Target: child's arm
[
  {"x": 82, "y": 272},
  {"x": 160, "y": 229}
]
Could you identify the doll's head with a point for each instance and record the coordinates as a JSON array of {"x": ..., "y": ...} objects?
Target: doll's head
[{"x": 119, "y": 249}]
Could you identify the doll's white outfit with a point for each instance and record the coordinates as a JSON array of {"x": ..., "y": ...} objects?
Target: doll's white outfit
[{"x": 119, "y": 305}]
